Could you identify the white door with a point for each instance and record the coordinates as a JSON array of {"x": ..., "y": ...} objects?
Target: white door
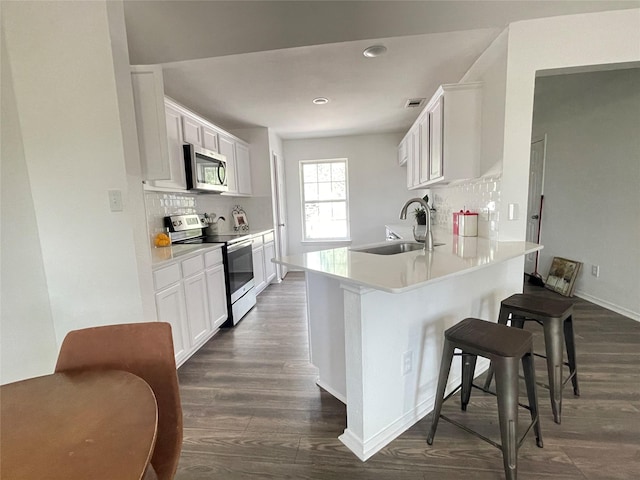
[
  {"x": 534, "y": 203},
  {"x": 280, "y": 205}
]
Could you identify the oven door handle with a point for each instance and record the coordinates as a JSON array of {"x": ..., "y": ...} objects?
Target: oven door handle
[{"x": 237, "y": 246}]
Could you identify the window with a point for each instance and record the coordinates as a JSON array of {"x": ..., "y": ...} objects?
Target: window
[{"x": 325, "y": 200}]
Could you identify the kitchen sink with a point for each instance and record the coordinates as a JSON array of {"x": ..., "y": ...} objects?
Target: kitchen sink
[{"x": 394, "y": 248}]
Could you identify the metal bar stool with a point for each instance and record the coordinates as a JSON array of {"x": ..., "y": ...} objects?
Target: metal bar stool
[
  {"x": 556, "y": 318},
  {"x": 505, "y": 347}
]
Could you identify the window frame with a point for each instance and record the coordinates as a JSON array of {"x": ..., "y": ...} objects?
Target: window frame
[{"x": 303, "y": 200}]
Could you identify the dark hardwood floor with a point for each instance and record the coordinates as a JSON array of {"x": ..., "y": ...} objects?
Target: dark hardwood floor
[{"x": 252, "y": 409}]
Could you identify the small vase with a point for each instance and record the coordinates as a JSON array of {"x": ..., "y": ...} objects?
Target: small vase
[{"x": 420, "y": 233}]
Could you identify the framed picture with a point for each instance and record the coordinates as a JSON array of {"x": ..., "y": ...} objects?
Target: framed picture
[
  {"x": 562, "y": 276},
  {"x": 240, "y": 221}
]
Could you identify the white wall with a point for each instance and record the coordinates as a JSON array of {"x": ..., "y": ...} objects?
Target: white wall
[
  {"x": 592, "y": 178},
  {"x": 552, "y": 43},
  {"x": 26, "y": 313},
  {"x": 377, "y": 185},
  {"x": 69, "y": 127}
]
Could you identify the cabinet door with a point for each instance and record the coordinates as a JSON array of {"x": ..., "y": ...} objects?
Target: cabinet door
[
  {"x": 148, "y": 99},
  {"x": 258, "y": 269},
  {"x": 413, "y": 161},
  {"x": 423, "y": 162},
  {"x": 198, "y": 319},
  {"x": 436, "y": 120},
  {"x": 402, "y": 152},
  {"x": 209, "y": 139},
  {"x": 192, "y": 130},
  {"x": 269, "y": 266},
  {"x": 228, "y": 149},
  {"x": 176, "y": 155},
  {"x": 243, "y": 169},
  {"x": 217, "y": 295},
  {"x": 170, "y": 308}
]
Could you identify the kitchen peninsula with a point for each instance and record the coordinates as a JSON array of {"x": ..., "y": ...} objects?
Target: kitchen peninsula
[{"x": 376, "y": 324}]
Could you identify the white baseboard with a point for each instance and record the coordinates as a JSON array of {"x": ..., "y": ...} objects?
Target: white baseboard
[
  {"x": 365, "y": 449},
  {"x": 335, "y": 393},
  {"x": 608, "y": 305}
]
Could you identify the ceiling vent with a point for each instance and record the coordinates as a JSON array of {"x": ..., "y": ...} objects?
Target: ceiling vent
[{"x": 414, "y": 102}]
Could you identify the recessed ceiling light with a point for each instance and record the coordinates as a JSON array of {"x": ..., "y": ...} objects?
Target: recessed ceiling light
[
  {"x": 374, "y": 51},
  {"x": 320, "y": 100}
]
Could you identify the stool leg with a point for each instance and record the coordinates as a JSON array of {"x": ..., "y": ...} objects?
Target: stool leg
[
  {"x": 571, "y": 353},
  {"x": 506, "y": 370},
  {"x": 503, "y": 318},
  {"x": 553, "y": 346},
  {"x": 468, "y": 369},
  {"x": 445, "y": 367},
  {"x": 532, "y": 394}
]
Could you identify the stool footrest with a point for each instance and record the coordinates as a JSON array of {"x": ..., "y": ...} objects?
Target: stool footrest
[{"x": 487, "y": 439}]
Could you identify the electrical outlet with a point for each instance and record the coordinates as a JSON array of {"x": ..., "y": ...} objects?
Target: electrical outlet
[
  {"x": 595, "y": 270},
  {"x": 407, "y": 362},
  {"x": 115, "y": 200}
]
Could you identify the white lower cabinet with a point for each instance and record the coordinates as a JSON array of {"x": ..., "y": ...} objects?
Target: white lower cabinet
[
  {"x": 191, "y": 296},
  {"x": 258, "y": 268},
  {"x": 197, "y": 304},
  {"x": 269, "y": 253},
  {"x": 264, "y": 270},
  {"x": 171, "y": 308},
  {"x": 217, "y": 295}
]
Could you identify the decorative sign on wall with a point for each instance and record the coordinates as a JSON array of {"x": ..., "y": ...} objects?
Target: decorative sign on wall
[{"x": 240, "y": 222}]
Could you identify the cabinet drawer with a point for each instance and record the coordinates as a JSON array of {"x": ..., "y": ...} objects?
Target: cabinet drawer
[
  {"x": 163, "y": 277},
  {"x": 257, "y": 241},
  {"x": 192, "y": 265},
  {"x": 268, "y": 237},
  {"x": 213, "y": 258}
]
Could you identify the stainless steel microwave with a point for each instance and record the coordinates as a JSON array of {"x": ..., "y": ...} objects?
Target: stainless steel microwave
[{"x": 206, "y": 170}]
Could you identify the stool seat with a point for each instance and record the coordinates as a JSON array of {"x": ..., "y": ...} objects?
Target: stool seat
[
  {"x": 506, "y": 347},
  {"x": 548, "y": 307},
  {"x": 490, "y": 338},
  {"x": 556, "y": 318}
]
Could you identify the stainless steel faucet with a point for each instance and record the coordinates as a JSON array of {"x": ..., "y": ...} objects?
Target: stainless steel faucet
[{"x": 428, "y": 242}]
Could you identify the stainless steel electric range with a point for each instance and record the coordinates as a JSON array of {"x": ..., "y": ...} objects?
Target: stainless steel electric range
[{"x": 237, "y": 257}]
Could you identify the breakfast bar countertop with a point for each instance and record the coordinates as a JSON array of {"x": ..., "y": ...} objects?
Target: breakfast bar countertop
[{"x": 410, "y": 270}]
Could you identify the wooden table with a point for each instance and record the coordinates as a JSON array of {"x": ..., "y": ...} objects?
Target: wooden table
[{"x": 85, "y": 425}]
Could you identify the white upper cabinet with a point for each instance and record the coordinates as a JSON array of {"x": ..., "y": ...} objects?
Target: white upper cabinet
[
  {"x": 403, "y": 152},
  {"x": 227, "y": 148},
  {"x": 164, "y": 126},
  {"x": 238, "y": 165},
  {"x": 210, "y": 138},
  {"x": 192, "y": 130},
  {"x": 243, "y": 169},
  {"x": 148, "y": 98},
  {"x": 176, "y": 180},
  {"x": 444, "y": 143}
]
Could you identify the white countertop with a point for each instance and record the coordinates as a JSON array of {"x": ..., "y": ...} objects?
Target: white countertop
[
  {"x": 406, "y": 271},
  {"x": 162, "y": 255}
]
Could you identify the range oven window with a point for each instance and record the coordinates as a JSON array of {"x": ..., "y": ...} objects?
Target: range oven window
[{"x": 240, "y": 261}]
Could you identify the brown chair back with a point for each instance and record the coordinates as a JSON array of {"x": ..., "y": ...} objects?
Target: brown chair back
[{"x": 146, "y": 350}]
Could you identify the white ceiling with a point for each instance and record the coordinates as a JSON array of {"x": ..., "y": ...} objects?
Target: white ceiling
[{"x": 261, "y": 63}]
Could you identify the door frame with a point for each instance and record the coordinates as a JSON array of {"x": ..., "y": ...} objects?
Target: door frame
[
  {"x": 279, "y": 217},
  {"x": 533, "y": 236}
]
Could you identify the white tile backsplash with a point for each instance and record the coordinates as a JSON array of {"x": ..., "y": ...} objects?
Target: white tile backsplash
[
  {"x": 161, "y": 204},
  {"x": 481, "y": 195}
]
